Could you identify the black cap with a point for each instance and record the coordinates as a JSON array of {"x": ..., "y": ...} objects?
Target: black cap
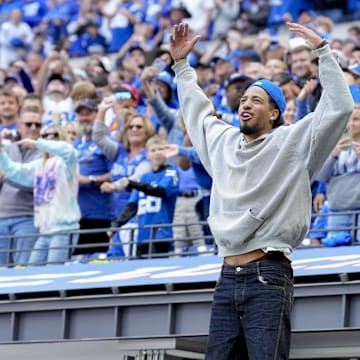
[
  {"x": 175, "y": 4},
  {"x": 87, "y": 103},
  {"x": 56, "y": 76},
  {"x": 238, "y": 77},
  {"x": 202, "y": 65}
]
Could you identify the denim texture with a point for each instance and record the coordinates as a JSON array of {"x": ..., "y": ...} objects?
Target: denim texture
[
  {"x": 52, "y": 249},
  {"x": 251, "y": 310},
  {"x": 20, "y": 245}
]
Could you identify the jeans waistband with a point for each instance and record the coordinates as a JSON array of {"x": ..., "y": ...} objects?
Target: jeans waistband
[{"x": 269, "y": 260}]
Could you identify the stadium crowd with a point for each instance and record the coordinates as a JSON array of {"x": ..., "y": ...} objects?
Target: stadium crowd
[{"x": 88, "y": 88}]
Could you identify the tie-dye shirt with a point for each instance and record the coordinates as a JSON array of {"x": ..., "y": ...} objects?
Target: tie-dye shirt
[{"x": 55, "y": 183}]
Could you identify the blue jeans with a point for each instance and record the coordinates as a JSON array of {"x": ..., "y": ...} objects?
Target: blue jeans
[
  {"x": 52, "y": 249},
  {"x": 16, "y": 249},
  {"x": 342, "y": 221},
  {"x": 250, "y": 317}
]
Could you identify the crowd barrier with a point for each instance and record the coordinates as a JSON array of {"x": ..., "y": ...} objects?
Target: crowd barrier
[{"x": 130, "y": 243}]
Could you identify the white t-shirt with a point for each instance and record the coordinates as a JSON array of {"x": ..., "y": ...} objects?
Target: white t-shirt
[{"x": 198, "y": 8}]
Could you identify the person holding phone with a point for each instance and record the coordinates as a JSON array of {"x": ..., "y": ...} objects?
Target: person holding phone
[
  {"x": 260, "y": 205},
  {"x": 341, "y": 172}
]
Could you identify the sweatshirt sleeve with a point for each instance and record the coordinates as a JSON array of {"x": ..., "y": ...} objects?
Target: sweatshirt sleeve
[
  {"x": 148, "y": 189},
  {"x": 326, "y": 171},
  {"x": 140, "y": 170},
  {"x": 20, "y": 173},
  {"x": 129, "y": 211},
  {"x": 190, "y": 153},
  {"x": 60, "y": 148},
  {"x": 167, "y": 117},
  {"x": 314, "y": 137},
  {"x": 100, "y": 137},
  {"x": 204, "y": 128}
]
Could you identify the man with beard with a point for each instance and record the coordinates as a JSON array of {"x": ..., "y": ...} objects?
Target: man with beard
[
  {"x": 96, "y": 207},
  {"x": 57, "y": 103},
  {"x": 235, "y": 87},
  {"x": 260, "y": 206}
]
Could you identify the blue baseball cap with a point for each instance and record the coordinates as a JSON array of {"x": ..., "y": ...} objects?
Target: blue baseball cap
[
  {"x": 355, "y": 69},
  {"x": 273, "y": 91},
  {"x": 166, "y": 78}
]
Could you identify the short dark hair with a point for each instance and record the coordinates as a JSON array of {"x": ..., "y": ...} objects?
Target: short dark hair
[{"x": 279, "y": 120}]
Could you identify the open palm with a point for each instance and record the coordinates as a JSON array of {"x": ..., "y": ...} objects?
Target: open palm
[{"x": 180, "y": 42}]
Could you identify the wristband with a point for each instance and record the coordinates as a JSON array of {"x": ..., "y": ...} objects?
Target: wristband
[
  {"x": 323, "y": 43},
  {"x": 92, "y": 179}
]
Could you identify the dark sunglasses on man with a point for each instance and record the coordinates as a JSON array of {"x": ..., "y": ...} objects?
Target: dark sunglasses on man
[{"x": 29, "y": 124}]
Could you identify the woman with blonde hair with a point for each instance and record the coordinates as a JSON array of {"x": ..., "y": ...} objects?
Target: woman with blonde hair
[
  {"x": 127, "y": 152},
  {"x": 54, "y": 178}
]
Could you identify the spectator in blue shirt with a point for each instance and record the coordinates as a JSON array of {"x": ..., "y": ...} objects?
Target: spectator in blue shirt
[
  {"x": 33, "y": 11},
  {"x": 90, "y": 42},
  {"x": 96, "y": 207},
  {"x": 153, "y": 199},
  {"x": 122, "y": 22}
]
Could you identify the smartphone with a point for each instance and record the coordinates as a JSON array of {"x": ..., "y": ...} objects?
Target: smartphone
[
  {"x": 159, "y": 65},
  {"x": 346, "y": 138}
]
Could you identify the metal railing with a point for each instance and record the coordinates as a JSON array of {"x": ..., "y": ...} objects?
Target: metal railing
[{"x": 208, "y": 249}]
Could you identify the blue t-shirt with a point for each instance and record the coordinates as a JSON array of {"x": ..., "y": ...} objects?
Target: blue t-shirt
[
  {"x": 10, "y": 127},
  {"x": 121, "y": 27},
  {"x": 157, "y": 210},
  {"x": 33, "y": 11},
  {"x": 228, "y": 115},
  {"x": 124, "y": 167},
  {"x": 93, "y": 204}
]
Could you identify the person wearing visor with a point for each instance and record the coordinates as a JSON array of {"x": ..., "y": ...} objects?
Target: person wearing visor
[
  {"x": 260, "y": 205},
  {"x": 127, "y": 99}
]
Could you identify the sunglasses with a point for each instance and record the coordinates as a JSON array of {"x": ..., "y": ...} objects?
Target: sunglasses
[
  {"x": 123, "y": 95},
  {"x": 30, "y": 124},
  {"x": 137, "y": 127},
  {"x": 50, "y": 135}
]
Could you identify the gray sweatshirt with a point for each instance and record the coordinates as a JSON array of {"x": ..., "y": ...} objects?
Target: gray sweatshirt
[
  {"x": 260, "y": 198},
  {"x": 15, "y": 199}
]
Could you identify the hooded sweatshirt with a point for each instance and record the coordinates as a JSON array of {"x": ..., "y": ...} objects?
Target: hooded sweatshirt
[{"x": 261, "y": 196}]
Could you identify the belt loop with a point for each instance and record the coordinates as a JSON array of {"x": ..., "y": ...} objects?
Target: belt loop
[{"x": 258, "y": 268}]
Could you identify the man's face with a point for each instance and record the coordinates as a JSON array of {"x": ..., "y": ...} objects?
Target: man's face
[
  {"x": 163, "y": 89},
  {"x": 290, "y": 90},
  {"x": 301, "y": 63},
  {"x": 255, "y": 113},
  {"x": 34, "y": 62},
  {"x": 223, "y": 69},
  {"x": 138, "y": 57},
  {"x": 354, "y": 57},
  {"x": 29, "y": 125},
  {"x": 233, "y": 94},
  {"x": 56, "y": 87},
  {"x": 85, "y": 118},
  {"x": 9, "y": 107}
]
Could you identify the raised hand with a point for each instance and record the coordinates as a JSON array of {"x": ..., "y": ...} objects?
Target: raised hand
[
  {"x": 106, "y": 104},
  {"x": 171, "y": 150},
  {"x": 180, "y": 42},
  {"x": 311, "y": 37}
]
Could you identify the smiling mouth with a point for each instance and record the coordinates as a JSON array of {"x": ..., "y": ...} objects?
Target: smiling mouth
[{"x": 246, "y": 116}]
